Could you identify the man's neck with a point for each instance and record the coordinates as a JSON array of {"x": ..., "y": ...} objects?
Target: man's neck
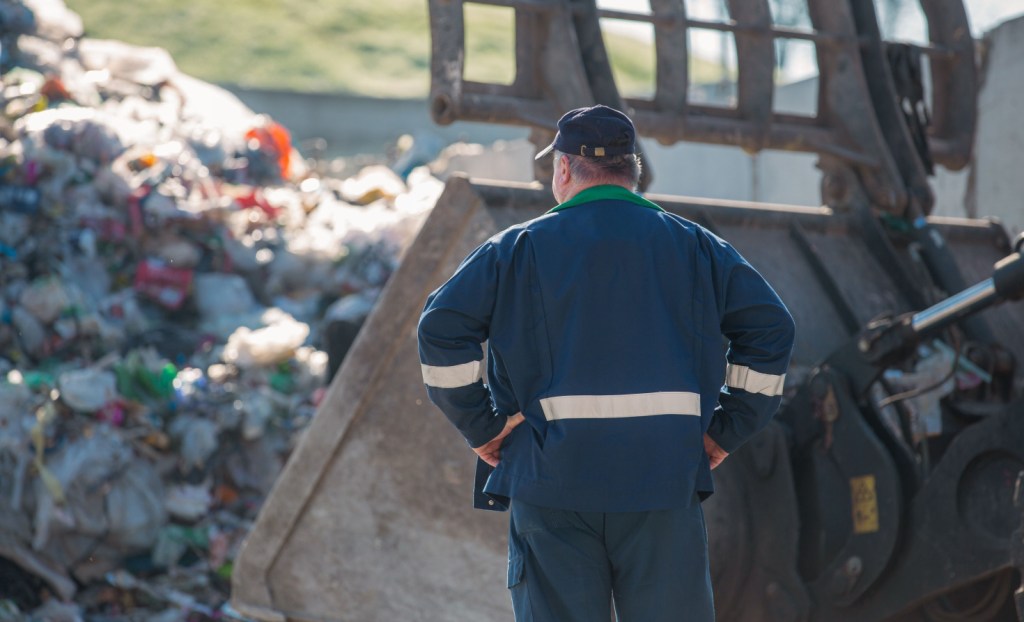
[{"x": 575, "y": 189}]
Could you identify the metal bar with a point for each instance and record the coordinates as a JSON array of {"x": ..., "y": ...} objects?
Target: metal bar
[
  {"x": 879, "y": 243},
  {"x": 492, "y": 109},
  {"x": 889, "y": 114},
  {"x": 835, "y": 295},
  {"x": 934, "y": 50},
  {"x": 954, "y": 83},
  {"x": 671, "y": 53},
  {"x": 447, "y": 54},
  {"x": 755, "y": 82},
  {"x": 528, "y": 5},
  {"x": 677, "y": 17},
  {"x": 948, "y": 311},
  {"x": 843, "y": 92},
  {"x": 715, "y": 125}
]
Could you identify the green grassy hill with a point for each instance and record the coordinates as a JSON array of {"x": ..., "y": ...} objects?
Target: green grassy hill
[{"x": 367, "y": 47}]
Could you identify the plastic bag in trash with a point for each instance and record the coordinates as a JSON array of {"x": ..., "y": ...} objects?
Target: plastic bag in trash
[
  {"x": 188, "y": 502},
  {"x": 31, "y": 332},
  {"x": 178, "y": 252},
  {"x": 81, "y": 131},
  {"x": 140, "y": 65},
  {"x": 87, "y": 390},
  {"x": 197, "y": 438},
  {"x": 257, "y": 409},
  {"x": 134, "y": 508},
  {"x": 45, "y": 299},
  {"x": 274, "y": 343},
  {"x": 254, "y": 465},
  {"x": 56, "y": 611},
  {"x": 219, "y": 294},
  {"x": 925, "y": 412},
  {"x": 166, "y": 285},
  {"x": 110, "y": 496},
  {"x": 372, "y": 183},
  {"x": 55, "y": 21},
  {"x": 16, "y": 419}
]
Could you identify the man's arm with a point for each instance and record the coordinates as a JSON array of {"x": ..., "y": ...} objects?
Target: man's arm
[
  {"x": 760, "y": 331},
  {"x": 454, "y": 324}
]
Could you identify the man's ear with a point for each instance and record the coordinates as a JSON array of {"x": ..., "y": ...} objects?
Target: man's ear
[{"x": 562, "y": 170}]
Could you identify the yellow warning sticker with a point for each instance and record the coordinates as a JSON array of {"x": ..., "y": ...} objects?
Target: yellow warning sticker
[{"x": 865, "y": 504}]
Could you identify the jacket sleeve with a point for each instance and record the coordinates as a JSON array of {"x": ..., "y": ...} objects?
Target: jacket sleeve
[
  {"x": 760, "y": 332},
  {"x": 454, "y": 324}
]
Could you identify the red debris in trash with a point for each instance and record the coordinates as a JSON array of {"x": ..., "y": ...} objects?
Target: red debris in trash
[
  {"x": 166, "y": 285},
  {"x": 135, "y": 202},
  {"x": 318, "y": 395},
  {"x": 253, "y": 197},
  {"x": 54, "y": 90},
  {"x": 106, "y": 229},
  {"x": 112, "y": 412}
]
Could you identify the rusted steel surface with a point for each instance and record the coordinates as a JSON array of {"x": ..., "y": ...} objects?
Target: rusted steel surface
[{"x": 561, "y": 64}]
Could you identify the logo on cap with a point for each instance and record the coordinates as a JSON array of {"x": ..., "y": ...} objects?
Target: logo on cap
[{"x": 593, "y": 132}]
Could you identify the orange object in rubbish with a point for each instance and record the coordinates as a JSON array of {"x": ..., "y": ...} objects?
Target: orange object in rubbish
[
  {"x": 273, "y": 137},
  {"x": 225, "y": 495},
  {"x": 54, "y": 90}
]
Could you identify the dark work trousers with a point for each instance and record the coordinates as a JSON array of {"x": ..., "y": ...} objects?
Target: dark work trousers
[{"x": 569, "y": 566}]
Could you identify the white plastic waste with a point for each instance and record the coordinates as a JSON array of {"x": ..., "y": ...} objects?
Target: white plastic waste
[
  {"x": 219, "y": 294},
  {"x": 188, "y": 502},
  {"x": 109, "y": 496},
  {"x": 45, "y": 299},
  {"x": 198, "y": 440},
  {"x": 925, "y": 409},
  {"x": 87, "y": 390},
  {"x": 372, "y": 183},
  {"x": 275, "y": 343}
]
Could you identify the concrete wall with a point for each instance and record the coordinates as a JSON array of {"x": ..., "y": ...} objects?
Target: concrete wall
[
  {"x": 998, "y": 171},
  {"x": 361, "y": 125}
]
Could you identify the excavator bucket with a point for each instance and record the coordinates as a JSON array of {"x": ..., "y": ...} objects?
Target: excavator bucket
[{"x": 372, "y": 520}]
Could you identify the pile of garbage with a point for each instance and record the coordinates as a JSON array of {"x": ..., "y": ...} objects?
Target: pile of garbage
[{"x": 170, "y": 267}]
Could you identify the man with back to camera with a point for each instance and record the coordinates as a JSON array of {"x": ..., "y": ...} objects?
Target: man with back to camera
[{"x": 604, "y": 321}]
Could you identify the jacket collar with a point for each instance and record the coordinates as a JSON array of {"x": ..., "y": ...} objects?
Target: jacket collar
[{"x": 603, "y": 193}]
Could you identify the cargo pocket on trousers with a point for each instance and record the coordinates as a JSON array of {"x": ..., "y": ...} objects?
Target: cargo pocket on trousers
[
  {"x": 517, "y": 582},
  {"x": 515, "y": 570}
]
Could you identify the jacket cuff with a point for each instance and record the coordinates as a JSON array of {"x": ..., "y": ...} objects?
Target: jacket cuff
[
  {"x": 480, "y": 432},
  {"x": 722, "y": 432}
]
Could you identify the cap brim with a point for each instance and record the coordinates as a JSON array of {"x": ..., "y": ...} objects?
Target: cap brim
[{"x": 543, "y": 152}]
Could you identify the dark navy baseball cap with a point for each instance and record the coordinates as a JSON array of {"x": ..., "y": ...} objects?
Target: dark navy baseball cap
[{"x": 594, "y": 132}]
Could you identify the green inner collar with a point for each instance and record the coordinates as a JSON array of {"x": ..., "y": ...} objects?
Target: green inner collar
[{"x": 600, "y": 193}]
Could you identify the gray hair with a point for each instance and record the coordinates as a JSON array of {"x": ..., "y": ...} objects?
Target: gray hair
[{"x": 623, "y": 170}]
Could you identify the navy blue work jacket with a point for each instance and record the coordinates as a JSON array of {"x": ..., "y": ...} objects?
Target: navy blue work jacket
[{"x": 604, "y": 322}]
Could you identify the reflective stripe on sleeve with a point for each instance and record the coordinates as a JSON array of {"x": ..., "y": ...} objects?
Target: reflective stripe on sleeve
[
  {"x": 620, "y": 406},
  {"x": 452, "y": 376},
  {"x": 742, "y": 377}
]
